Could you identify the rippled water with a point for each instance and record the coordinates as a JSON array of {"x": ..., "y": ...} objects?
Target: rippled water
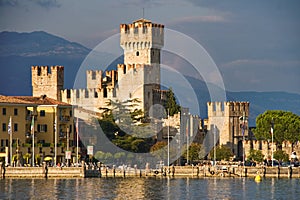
[{"x": 150, "y": 188}]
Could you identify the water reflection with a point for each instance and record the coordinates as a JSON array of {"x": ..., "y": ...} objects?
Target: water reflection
[{"x": 149, "y": 188}]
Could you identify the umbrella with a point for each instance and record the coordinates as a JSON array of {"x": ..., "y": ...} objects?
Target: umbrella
[{"x": 47, "y": 158}]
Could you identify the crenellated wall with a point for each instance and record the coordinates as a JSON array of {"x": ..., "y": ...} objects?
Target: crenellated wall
[{"x": 47, "y": 81}]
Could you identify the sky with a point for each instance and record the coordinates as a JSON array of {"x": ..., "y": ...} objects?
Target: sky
[{"x": 255, "y": 44}]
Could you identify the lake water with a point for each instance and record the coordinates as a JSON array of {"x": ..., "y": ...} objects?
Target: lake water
[{"x": 150, "y": 188}]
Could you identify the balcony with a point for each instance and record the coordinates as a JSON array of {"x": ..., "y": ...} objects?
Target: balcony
[{"x": 64, "y": 118}]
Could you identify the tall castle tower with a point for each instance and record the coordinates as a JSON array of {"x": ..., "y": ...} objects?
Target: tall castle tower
[
  {"x": 227, "y": 118},
  {"x": 139, "y": 76},
  {"x": 45, "y": 82}
]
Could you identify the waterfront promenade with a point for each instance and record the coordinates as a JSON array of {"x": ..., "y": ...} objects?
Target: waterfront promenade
[{"x": 86, "y": 171}]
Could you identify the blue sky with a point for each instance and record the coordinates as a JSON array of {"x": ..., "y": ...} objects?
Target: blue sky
[{"x": 255, "y": 44}]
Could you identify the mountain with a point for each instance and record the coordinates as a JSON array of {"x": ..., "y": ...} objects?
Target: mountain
[
  {"x": 19, "y": 51},
  {"x": 259, "y": 101}
]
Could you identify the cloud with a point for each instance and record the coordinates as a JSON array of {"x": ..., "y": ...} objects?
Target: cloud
[
  {"x": 47, "y": 3},
  {"x": 11, "y": 3},
  {"x": 42, "y": 3},
  {"x": 261, "y": 62},
  {"x": 205, "y": 18}
]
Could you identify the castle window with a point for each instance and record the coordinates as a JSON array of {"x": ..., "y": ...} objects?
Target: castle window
[
  {"x": 130, "y": 95},
  {"x": 16, "y": 111},
  {"x": 96, "y": 95},
  {"x": 70, "y": 113},
  {"x": 86, "y": 94},
  {"x": 136, "y": 30},
  {"x": 105, "y": 93},
  {"x": 77, "y": 94},
  {"x": 137, "y": 53},
  {"x": 42, "y": 113},
  {"x": 3, "y": 111}
]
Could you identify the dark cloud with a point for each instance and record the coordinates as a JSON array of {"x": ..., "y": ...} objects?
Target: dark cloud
[
  {"x": 42, "y": 3},
  {"x": 47, "y": 3},
  {"x": 11, "y": 3}
]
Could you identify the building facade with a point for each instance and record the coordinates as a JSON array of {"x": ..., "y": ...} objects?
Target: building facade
[{"x": 47, "y": 116}]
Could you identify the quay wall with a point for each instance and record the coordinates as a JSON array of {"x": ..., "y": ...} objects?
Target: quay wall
[{"x": 177, "y": 171}]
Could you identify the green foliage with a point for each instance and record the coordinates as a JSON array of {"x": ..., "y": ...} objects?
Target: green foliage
[
  {"x": 121, "y": 123},
  {"x": 286, "y": 126},
  {"x": 255, "y": 155},
  {"x": 223, "y": 152},
  {"x": 159, "y": 149},
  {"x": 281, "y": 155},
  {"x": 194, "y": 152},
  {"x": 171, "y": 103}
]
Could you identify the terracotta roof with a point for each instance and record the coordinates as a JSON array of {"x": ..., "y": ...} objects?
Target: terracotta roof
[{"x": 42, "y": 100}]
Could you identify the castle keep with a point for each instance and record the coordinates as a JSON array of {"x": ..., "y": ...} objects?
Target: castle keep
[{"x": 138, "y": 78}]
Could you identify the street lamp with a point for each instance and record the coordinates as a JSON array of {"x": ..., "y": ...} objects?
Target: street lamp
[
  {"x": 243, "y": 119},
  {"x": 272, "y": 133}
]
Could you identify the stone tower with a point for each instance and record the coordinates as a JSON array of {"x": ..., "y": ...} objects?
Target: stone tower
[
  {"x": 139, "y": 76},
  {"x": 45, "y": 82},
  {"x": 226, "y": 116}
]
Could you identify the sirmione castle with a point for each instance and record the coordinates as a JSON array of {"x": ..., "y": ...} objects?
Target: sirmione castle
[{"x": 139, "y": 78}]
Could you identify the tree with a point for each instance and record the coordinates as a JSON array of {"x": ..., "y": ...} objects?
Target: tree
[
  {"x": 194, "y": 152},
  {"x": 223, "y": 152},
  {"x": 256, "y": 155},
  {"x": 286, "y": 126},
  {"x": 281, "y": 156},
  {"x": 159, "y": 150},
  {"x": 171, "y": 103}
]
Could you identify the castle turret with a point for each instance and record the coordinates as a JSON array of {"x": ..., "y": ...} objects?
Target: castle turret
[{"x": 45, "y": 82}]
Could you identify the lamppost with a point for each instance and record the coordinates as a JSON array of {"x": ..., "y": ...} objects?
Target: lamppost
[
  {"x": 68, "y": 146},
  {"x": 272, "y": 133},
  {"x": 244, "y": 120}
]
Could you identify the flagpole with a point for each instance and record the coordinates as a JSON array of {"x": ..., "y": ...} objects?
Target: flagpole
[
  {"x": 168, "y": 139},
  {"x": 77, "y": 145},
  {"x": 32, "y": 132},
  {"x": 187, "y": 141},
  {"x": 10, "y": 140},
  {"x": 272, "y": 131}
]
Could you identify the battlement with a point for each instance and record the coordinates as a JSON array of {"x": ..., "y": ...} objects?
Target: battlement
[
  {"x": 141, "y": 34},
  {"x": 45, "y": 82},
  {"x": 44, "y": 70},
  {"x": 140, "y": 26},
  {"x": 230, "y": 108}
]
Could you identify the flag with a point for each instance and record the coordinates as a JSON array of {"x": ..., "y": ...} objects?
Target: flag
[
  {"x": 272, "y": 129},
  {"x": 32, "y": 124},
  {"x": 9, "y": 126},
  {"x": 77, "y": 125}
]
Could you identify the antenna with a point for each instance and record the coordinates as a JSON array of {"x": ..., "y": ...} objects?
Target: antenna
[{"x": 143, "y": 13}]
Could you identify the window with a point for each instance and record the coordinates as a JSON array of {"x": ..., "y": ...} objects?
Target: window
[
  {"x": 3, "y": 111},
  {"x": 71, "y": 113},
  {"x": 42, "y": 113},
  {"x": 15, "y": 127},
  {"x": 137, "y": 53},
  {"x": 4, "y": 127},
  {"x": 70, "y": 129},
  {"x": 42, "y": 127},
  {"x": 16, "y": 111}
]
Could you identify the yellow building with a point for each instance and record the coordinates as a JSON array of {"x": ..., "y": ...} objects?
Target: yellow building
[{"x": 53, "y": 121}]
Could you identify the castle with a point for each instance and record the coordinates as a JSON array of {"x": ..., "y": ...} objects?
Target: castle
[{"x": 138, "y": 78}]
